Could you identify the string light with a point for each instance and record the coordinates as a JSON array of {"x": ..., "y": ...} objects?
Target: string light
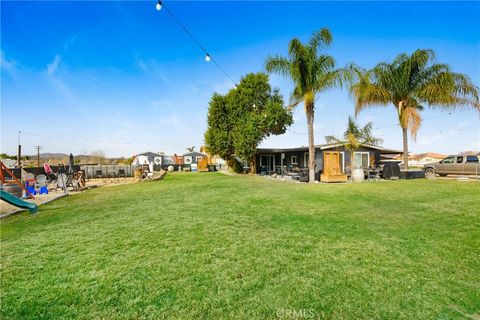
[{"x": 208, "y": 57}]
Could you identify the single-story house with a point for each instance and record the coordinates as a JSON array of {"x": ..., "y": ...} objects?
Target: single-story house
[
  {"x": 193, "y": 157},
  {"x": 271, "y": 160},
  {"x": 152, "y": 159}
]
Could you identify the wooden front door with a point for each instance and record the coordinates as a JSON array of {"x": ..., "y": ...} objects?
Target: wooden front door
[{"x": 331, "y": 163}]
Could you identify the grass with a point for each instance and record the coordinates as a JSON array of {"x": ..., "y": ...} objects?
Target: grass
[{"x": 207, "y": 246}]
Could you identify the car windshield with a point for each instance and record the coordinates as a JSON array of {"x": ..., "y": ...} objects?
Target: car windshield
[{"x": 448, "y": 160}]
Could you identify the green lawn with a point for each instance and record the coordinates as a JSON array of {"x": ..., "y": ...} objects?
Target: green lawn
[{"x": 214, "y": 246}]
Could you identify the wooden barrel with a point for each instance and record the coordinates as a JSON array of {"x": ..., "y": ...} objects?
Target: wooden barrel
[
  {"x": 13, "y": 189},
  {"x": 358, "y": 175},
  {"x": 138, "y": 174}
]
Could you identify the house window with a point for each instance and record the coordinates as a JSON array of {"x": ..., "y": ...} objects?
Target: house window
[
  {"x": 267, "y": 163},
  {"x": 305, "y": 159},
  {"x": 362, "y": 160},
  {"x": 294, "y": 159},
  {"x": 342, "y": 161}
]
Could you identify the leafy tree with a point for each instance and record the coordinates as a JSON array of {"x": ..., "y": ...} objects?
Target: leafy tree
[
  {"x": 240, "y": 120},
  {"x": 354, "y": 136},
  {"x": 312, "y": 72},
  {"x": 409, "y": 82},
  {"x": 218, "y": 137}
]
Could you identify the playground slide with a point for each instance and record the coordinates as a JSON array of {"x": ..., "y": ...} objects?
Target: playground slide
[{"x": 14, "y": 201}]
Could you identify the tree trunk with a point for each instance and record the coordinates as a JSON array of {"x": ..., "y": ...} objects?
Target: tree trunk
[
  {"x": 311, "y": 144},
  {"x": 405, "y": 148},
  {"x": 253, "y": 165}
]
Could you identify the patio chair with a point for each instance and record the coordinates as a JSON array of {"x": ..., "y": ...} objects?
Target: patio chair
[
  {"x": 41, "y": 184},
  {"x": 63, "y": 181}
]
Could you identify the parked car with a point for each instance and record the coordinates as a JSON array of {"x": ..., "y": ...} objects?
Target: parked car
[{"x": 458, "y": 164}]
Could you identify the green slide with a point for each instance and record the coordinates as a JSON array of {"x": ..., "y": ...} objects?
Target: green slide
[{"x": 14, "y": 201}]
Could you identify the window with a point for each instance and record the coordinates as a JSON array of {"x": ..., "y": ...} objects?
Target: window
[
  {"x": 294, "y": 160},
  {"x": 460, "y": 159},
  {"x": 342, "y": 161},
  {"x": 448, "y": 160},
  {"x": 472, "y": 159},
  {"x": 362, "y": 160},
  {"x": 305, "y": 159}
]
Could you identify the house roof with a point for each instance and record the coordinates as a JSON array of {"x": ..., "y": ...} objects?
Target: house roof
[
  {"x": 150, "y": 154},
  {"x": 194, "y": 154},
  {"x": 423, "y": 155},
  {"x": 327, "y": 146},
  {"x": 429, "y": 155},
  {"x": 9, "y": 163},
  {"x": 471, "y": 153}
]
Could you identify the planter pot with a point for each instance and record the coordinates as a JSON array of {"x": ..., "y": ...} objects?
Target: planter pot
[{"x": 358, "y": 175}]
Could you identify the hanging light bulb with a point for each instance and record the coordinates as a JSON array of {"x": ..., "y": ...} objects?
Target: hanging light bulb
[
  {"x": 158, "y": 6},
  {"x": 208, "y": 58}
]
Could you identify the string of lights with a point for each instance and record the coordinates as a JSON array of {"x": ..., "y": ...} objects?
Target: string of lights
[
  {"x": 297, "y": 133},
  {"x": 79, "y": 141},
  {"x": 161, "y": 5}
]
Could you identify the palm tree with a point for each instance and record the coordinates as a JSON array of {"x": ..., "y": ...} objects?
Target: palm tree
[
  {"x": 312, "y": 72},
  {"x": 354, "y": 136},
  {"x": 409, "y": 82},
  {"x": 191, "y": 149}
]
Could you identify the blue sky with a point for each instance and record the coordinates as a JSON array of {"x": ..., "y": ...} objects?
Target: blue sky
[{"x": 124, "y": 78}]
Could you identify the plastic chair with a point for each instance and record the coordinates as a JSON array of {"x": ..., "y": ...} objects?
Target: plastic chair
[
  {"x": 41, "y": 183},
  {"x": 29, "y": 180}
]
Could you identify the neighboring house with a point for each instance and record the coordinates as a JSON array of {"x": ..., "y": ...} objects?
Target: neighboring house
[
  {"x": 9, "y": 163},
  {"x": 212, "y": 159},
  {"x": 193, "y": 157},
  {"x": 270, "y": 160},
  {"x": 424, "y": 158},
  {"x": 418, "y": 160},
  {"x": 152, "y": 159}
]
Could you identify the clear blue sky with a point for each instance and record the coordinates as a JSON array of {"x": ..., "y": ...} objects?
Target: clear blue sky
[{"x": 124, "y": 78}]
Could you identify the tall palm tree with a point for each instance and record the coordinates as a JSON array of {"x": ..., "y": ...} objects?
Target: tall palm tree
[
  {"x": 312, "y": 72},
  {"x": 409, "y": 82},
  {"x": 354, "y": 136}
]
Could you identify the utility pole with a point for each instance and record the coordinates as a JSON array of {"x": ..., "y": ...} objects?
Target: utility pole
[
  {"x": 38, "y": 155},
  {"x": 19, "y": 151}
]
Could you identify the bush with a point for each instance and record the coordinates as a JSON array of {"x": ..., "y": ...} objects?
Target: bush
[{"x": 235, "y": 166}]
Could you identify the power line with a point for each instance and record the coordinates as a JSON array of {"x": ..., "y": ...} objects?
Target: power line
[{"x": 208, "y": 57}]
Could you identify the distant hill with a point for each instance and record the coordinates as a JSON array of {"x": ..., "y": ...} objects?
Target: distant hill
[{"x": 49, "y": 156}]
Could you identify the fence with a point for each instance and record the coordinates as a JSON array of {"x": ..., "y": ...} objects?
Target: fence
[
  {"x": 17, "y": 172},
  {"x": 107, "y": 171}
]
